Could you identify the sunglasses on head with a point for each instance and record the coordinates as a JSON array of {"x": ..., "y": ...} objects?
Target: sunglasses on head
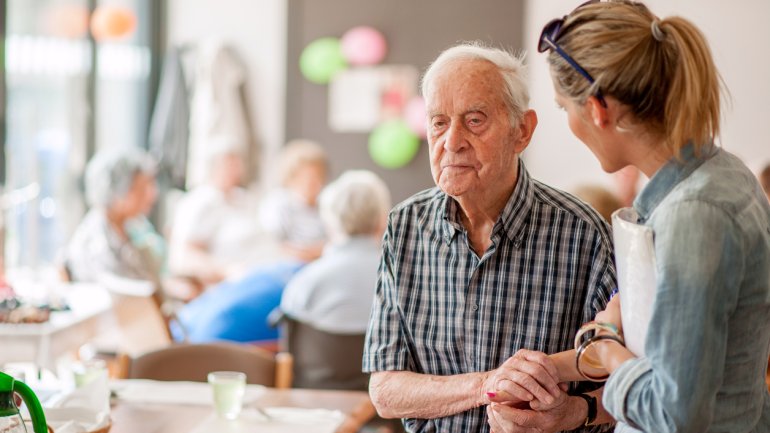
[{"x": 547, "y": 41}]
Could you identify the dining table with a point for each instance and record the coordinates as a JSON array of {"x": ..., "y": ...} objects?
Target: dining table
[
  {"x": 352, "y": 409},
  {"x": 88, "y": 306}
]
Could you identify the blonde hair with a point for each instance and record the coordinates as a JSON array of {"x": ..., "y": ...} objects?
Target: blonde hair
[
  {"x": 661, "y": 69},
  {"x": 357, "y": 203},
  {"x": 298, "y": 153},
  {"x": 511, "y": 68}
]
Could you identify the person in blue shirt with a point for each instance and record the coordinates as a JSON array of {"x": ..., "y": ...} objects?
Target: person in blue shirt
[
  {"x": 236, "y": 310},
  {"x": 643, "y": 91}
]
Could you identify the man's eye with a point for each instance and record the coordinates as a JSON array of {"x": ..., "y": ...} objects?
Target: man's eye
[{"x": 475, "y": 121}]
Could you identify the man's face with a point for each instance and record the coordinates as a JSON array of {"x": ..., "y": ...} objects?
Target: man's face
[{"x": 472, "y": 142}]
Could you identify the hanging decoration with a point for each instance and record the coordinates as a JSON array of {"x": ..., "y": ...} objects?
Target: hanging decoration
[
  {"x": 363, "y": 46},
  {"x": 321, "y": 59},
  {"x": 112, "y": 22},
  {"x": 393, "y": 145}
]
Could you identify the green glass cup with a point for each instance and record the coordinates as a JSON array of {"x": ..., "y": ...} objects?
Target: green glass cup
[{"x": 228, "y": 388}]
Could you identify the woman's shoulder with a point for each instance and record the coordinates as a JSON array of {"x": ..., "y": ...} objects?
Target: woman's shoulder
[{"x": 723, "y": 182}]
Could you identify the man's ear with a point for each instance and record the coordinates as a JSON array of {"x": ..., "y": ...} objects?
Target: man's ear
[
  {"x": 527, "y": 125},
  {"x": 599, "y": 113}
]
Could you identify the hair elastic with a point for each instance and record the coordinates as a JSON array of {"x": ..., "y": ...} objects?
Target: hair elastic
[{"x": 657, "y": 32}]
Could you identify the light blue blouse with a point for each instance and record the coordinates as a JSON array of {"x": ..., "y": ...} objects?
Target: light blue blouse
[{"x": 707, "y": 344}]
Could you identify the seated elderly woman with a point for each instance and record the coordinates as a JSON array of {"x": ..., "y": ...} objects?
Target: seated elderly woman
[
  {"x": 335, "y": 292},
  {"x": 117, "y": 247},
  {"x": 120, "y": 190},
  {"x": 332, "y": 296}
]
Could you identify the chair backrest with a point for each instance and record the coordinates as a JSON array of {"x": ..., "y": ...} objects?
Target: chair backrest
[
  {"x": 323, "y": 360},
  {"x": 193, "y": 362}
]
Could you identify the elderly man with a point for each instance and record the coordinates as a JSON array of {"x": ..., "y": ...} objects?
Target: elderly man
[{"x": 483, "y": 273}]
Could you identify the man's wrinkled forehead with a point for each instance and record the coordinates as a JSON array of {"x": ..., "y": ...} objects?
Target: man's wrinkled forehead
[{"x": 474, "y": 77}]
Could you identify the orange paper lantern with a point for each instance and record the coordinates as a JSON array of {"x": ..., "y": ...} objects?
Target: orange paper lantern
[
  {"x": 66, "y": 20},
  {"x": 111, "y": 22}
]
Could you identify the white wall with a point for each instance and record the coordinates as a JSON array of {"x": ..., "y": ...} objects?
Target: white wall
[
  {"x": 257, "y": 31},
  {"x": 739, "y": 37}
]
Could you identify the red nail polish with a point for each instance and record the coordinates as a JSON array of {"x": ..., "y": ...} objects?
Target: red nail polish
[{"x": 491, "y": 394}]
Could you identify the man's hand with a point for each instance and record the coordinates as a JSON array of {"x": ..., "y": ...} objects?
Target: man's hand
[
  {"x": 528, "y": 378},
  {"x": 566, "y": 415}
]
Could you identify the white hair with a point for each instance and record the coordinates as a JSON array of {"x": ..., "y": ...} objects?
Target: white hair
[
  {"x": 111, "y": 172},
  {"x": 357, "y": 203},
  {"x": 510, "y": 66}
]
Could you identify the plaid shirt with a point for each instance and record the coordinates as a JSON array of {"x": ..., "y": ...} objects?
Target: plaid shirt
[{"x": 440, "y": 309}]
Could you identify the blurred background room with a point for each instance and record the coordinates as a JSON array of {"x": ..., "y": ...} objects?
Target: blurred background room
[{"x": 215, "y": 126}]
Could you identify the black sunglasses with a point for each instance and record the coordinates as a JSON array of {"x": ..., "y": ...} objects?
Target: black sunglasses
[{"x": 547, "y": 41}]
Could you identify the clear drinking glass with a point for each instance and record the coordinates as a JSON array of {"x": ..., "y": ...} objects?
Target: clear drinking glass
[
  {"x": 85, "y": 372},
  {"x": 228, "y": 388}
]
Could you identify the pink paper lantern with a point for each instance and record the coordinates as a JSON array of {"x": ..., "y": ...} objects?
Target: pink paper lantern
[
  {"x": 363, "y": 45},
  {"x": 414, "y": 115}
]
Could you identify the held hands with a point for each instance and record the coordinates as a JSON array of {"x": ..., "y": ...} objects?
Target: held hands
[
  {"x": 525, "y": 396},
  {"x": 528, "y": 379},
  {"x": 565, "y": 415}
]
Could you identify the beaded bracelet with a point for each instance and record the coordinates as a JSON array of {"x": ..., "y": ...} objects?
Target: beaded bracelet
[{"x": 585, "y": 345}]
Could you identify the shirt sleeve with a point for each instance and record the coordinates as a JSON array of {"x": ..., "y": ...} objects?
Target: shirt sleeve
[
  {"x": 602, "y": 280},
  {"x": 699, "y": 263},
  {"x": 386, "y": 348}
]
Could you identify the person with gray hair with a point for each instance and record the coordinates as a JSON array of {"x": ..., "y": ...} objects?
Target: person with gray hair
[
  {"x": 120, "y": 190},
  {"x": 485, "y": 273},
  {"x": 335, "y": 292}
]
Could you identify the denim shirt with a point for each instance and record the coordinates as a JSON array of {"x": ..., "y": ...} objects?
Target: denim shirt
[{"x": 707, "y": 343}]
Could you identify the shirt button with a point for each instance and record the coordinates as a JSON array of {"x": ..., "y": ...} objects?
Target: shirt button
[
  {"x": 517, "y": 243},
  {"x": 474, "y": 307}
]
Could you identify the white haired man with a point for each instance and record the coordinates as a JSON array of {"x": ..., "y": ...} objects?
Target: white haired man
[{"x": 485, "y": 271}]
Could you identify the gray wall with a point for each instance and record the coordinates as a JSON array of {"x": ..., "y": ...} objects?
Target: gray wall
[{"x": 416, "y": 31}]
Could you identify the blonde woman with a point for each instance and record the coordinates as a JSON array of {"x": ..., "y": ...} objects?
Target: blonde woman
[{"x": 643, "y": 91}]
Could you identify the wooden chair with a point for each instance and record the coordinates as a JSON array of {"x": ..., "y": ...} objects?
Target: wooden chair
[
  {"x": 193, "y": 362},
  {"x": 325, "y": 360}
]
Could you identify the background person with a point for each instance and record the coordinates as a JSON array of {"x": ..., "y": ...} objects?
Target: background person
[
  {"x": 215, "y": 234},
  {"x": 120, "y": 188},
  {"x": 290, "y": 213},
  {"x": 335, "y": 292}
]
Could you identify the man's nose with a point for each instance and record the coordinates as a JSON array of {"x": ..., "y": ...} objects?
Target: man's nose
[{"x": 455, "y": 138}]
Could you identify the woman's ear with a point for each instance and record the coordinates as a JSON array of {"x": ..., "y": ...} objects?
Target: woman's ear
[{"x": 599, "y": 113}]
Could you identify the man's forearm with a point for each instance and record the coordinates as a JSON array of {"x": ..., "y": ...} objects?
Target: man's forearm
[{"x": 404, "y": 394}]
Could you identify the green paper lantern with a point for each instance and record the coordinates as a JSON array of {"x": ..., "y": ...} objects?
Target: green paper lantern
[
  {"x": 393, "y": 145},
  {"x": 321, "y": 59}
]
